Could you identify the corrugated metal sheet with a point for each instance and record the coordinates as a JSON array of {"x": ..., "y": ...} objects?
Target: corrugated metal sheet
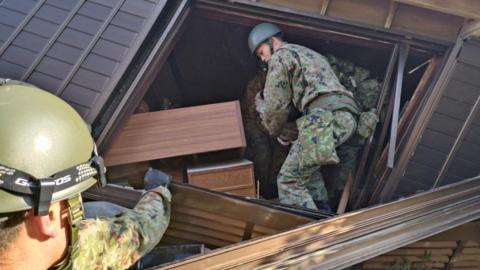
[
  {"x": 76, "y": 49},
  {"x": 448, "y": 141}
]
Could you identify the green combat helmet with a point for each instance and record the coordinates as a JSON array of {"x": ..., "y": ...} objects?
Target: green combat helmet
[
  {"x": 260, "y": 33},
  {"x": 46, "y": 153}
]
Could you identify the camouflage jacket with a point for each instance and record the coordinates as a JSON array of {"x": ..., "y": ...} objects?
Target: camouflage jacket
[
  {"x": 296, "y": 76},
  {"x": 117, "y": 243}
]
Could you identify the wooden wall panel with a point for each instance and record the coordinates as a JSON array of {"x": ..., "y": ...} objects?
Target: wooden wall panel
[
  {"x": 232, "y": 177},
  {"x": 439, "y": 19},
  {"x": 426, "y": 22},
  {"x": 456, "y": 246},
  {"x": 314, "y": 6},
  {"x": 373, "y": 12},
  {"x": 462, "y": 8}
]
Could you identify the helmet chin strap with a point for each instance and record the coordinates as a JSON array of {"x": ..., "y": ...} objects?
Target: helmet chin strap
[
  {"x": 270, "y": 44},
  {"x": 75, "y": 215}
]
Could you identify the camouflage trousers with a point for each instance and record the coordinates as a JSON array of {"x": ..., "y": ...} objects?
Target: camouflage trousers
[{"x": 300, "y": 182}]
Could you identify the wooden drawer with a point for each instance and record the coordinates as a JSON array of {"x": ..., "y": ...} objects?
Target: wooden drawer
[{"x": 234, "y": 177}]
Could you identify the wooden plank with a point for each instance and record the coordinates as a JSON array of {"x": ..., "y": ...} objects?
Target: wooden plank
[
  {"x": 325, "y": 4},
  {"x": 391, "y": 14},
  {"x": 371, "y": 12},
  {"x": 197, "y": 238},
  {"x": 212, "y": 224},
  {"x": 463, "y": 8},
  {"x": 342, "y": 205},
  {"x": 433, "y": 244},
  {"x": 406, "y": 122},
  {"x": 426, "y": 22},
  {"x": 467, "y": 257},
  {"x": 466, "y": 264},
  {"x": 376, "y": 265},
  {"x": 177, "y": 132},
  {"x": 471, "y": 250},
  {"x": 388, "y": 258},
  {"x": 199, "y": 230},
  {"x": 420, "y": 252},
  {"x": 471, "y": 243},
  {"x": 201, "y": 213},
  {"x": 235, "y": 177},
  {"x": 308, "y": 5},
  {"x": 206, "y": 204},
  {"x": 468, "y": 232}
]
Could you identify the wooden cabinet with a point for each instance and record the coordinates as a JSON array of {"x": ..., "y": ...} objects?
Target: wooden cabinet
[
  {"x": 178, "y": 132},
  {"x": 235, "y": 177}
]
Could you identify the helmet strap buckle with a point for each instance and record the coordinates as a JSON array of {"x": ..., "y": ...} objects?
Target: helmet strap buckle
[
  {"x": 44, "y": 196},
  {"x": 99, "y": 165}
]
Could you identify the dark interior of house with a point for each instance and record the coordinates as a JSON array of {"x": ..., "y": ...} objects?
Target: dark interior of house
[{"x": 211, "y": 63}]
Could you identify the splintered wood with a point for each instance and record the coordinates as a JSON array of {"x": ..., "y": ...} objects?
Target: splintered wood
[{"x": 178, "y": 132}]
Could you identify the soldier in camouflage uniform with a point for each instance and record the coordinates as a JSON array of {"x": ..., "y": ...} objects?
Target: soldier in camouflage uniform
[
  {"x": 266, "y": 153},
  {"x": 302, "y": 78},
  {"x": 366, "y": 90},
  {"x": 47, "y": 158}
]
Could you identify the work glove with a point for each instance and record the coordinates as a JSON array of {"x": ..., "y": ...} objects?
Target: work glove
[
  {"x": 154, "y": 178},
  {"x": 289, "y": 132},
  {"x": 260, "y": 104}
]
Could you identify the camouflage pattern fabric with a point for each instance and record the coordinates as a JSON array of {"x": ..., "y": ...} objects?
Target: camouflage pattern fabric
[
  {"x": 312, "y": 77},
  {"x": 296, "y": 76},
  {"x": 366, "y": 124},
  {"x": 118, "y": 242},
  {"x": 357, "y": 80},
  {"x": 299, "y": 181},
  {"x": 266, "y": 154}
]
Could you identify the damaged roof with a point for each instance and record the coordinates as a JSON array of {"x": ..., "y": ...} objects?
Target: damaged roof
[
  {"x": 444, "y": 145},
  {"x": 76, "y": 49}
]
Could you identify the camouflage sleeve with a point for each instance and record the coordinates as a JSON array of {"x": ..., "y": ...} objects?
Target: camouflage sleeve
[
  {"x": 278, "y": 92},
  {"x": 117, "y": 243}
]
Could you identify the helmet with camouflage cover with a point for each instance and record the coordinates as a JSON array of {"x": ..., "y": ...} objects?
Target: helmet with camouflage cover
[
  {"x": 46, "y": 150},
  {"x": 260, "y": 33}
]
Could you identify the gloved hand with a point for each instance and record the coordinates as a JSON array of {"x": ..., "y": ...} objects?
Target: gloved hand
[
  {"x": 289, "y": 132},
  {"x": 260, "y": 104},
  {"x": 154, "y": 178},
  {"x": 282, "y": 142}
]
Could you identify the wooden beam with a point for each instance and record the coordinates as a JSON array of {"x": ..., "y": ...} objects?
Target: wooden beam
[
  {"x": 471, "y": 29},
  {"x": 342, "y": 205},
  {"x": 391, "y": 14},
  {"x": 323, "y": 11},
  {"x": 424, "y": 115},
  {"x": 462, "y": 8}
]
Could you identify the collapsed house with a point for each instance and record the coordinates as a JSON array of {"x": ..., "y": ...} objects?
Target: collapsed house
[{"x": 107, "y": 58}]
